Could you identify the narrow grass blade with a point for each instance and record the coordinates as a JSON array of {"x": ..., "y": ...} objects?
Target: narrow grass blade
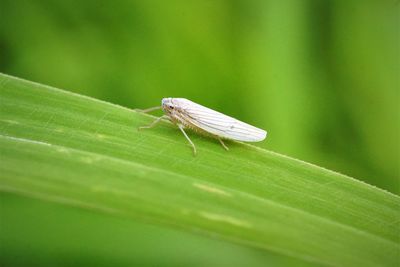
[{"x": 79, "y": 151}]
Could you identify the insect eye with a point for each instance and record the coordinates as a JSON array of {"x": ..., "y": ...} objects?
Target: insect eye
[{"x": 171, "y": 107}]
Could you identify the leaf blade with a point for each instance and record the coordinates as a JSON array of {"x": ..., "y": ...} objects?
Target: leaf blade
[{"x": 247, "y": 195}]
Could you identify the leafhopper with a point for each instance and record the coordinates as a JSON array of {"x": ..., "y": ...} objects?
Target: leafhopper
[{"x": 187, "y": 114}]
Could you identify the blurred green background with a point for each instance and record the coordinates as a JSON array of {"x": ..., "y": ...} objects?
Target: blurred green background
[{"x": 322, "y": 77}]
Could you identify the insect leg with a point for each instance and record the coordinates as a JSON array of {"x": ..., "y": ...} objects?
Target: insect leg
[
  {"x": 223, "y": 144},
  {"x": 187, "y": 137},
  {"x": 151, "y": 125},
  {"x": 147, "y": 109}
]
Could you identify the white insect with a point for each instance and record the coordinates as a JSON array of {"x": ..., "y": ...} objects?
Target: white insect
[{"x": 187, "y": 114}]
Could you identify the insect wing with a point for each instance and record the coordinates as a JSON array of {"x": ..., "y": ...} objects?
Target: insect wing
[{"x": 219, "y": 124}]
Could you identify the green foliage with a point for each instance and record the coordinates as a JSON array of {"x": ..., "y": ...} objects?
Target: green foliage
[
  {"x": 81, "y": 152},
  {"x": 320, "y": 76},
  {"x": 38, "y": 233}
]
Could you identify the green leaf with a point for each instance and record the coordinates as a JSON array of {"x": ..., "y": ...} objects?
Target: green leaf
[{"x": 78, "y": 151}]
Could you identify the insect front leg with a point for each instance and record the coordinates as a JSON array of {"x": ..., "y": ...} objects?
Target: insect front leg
[
  {"x": 223, "y": 144},
  {"x": 151, "y": 125},
  {"x": 187, "y": 137},
  {"x": 148, "y": 109}
]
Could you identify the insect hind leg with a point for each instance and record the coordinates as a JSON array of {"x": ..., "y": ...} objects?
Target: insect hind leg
[{"x": 223, "y": 144}]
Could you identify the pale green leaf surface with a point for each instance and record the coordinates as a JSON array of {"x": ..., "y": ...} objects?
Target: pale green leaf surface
[
  {"x": 83, "y": 152},
  {"x": 42, "y": 233}
]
